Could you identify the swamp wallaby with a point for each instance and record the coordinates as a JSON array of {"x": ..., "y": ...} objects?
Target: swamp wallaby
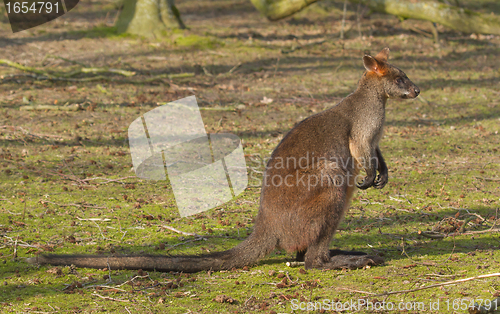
[{"x": 308, "y": 184}]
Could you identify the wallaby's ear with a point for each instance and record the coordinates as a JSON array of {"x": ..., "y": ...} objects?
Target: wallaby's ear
[
  {"x": 383, "y": 55},
  {"x": 372, "y": 65}
]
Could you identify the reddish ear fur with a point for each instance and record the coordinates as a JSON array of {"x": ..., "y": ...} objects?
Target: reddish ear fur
[
  {"x": 376, "y": 64},
  {"x": 372, "y": 65}
]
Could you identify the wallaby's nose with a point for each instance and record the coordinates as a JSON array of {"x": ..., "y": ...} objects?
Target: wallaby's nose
[{"x": 417, "y": 91}]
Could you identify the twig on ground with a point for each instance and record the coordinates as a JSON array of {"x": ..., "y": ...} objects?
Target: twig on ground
[
  {"x": 148, "y": 287},
  {"x": 131, "y": 280},
  {"x": 20, "y": 243},
  {"x": 109, "y": 180},
  {"x": 357, "y": 291},
  {"x": 234, "y": 68},
  {"x": 64, "y": 59},
  {"x": 107, "y": 287},
  {"x": 395, "y": 199},
  {"x": 65, "y": 74},
  {"x": 482, "y": 231},
  {"x": 63, "y": 175},
  {"x": 181, "y": 232},
  {"x": 290, "y": 279},
  {"x": 72, "y": 204},
  {"x": 432, "y": 234},
  {"x": 17, "y": 214},
  {"x": 452, "y": 251},
  {"x": 42, "y": 75},
  {"x": 464, "y": 225},
  {"x": 93, "y": 219},
  {"x": 14, "y": 255},
  {"x": 442, "y": 188},
  {"x": 102, "y": 235},
  {"x": 40, "y": 136},
  {"x": 108, "y": 298},
  {"x": 293, "y": 48},
  {"x": 488, "y": 179},
  {"x": 72, "y": 173},
  {"x": 439, "y": 284},
  {"x": 185, "y": 242}
]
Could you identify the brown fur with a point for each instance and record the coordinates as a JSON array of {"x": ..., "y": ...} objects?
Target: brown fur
[{"x": 301, "y": 215}]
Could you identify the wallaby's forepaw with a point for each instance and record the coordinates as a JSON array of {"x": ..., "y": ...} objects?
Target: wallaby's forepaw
[
  {"x": 368, "y": 181},
  {"x": 353, "y": 261},
  {"x": 381, "y": 181}
]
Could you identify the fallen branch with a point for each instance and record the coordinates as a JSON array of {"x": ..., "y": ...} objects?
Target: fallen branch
[
  {"x": 131, "y": 280},
  {"x": 17, "y": 243},
  {"x": 108, "y": 298},
  {"x": 42, "y": 75},
  {"x": 40, "y": 136},
  {"x": 294, "y": 48},
  {"x": 182, "y": 232},
  {"x": 488, "y": 179},
  {"x": 438, "y": 235},
  {"x": 109, "y": 180},
  {"x": 185, "y": 242},
  {"x": 74, "y": 107},
  {"x": 65, "y": 74},
  {"x": 72, "y": 204},
  {"x": 432, "y": 234},
  {"x": 356, "y": 291},
  {"x": 93, "y": 219},
  {"x": 439, "y": 284},
  {"x": 482, "y": 231},
  {"x": 64, "y": 59}
]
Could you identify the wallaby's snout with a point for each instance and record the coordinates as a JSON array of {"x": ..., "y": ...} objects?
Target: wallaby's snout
[
  {"x": 403, "y": 87},
  {"x": 409, "y": 91},
  {"x": 416, "y": 90}
]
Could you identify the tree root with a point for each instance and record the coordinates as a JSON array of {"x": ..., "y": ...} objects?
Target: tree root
[{"x": 69, "y": 76}]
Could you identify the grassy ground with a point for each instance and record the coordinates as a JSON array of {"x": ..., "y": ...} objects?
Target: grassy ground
[{"x": 55, "y": 166}]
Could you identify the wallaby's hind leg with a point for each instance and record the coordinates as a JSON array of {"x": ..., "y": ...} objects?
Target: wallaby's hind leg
[
  {"x": 317, "y": 254},
  {"x": 300, "y": 257}
]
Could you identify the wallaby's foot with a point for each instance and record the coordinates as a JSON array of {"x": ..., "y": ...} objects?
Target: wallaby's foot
[
  {"x": 300, "y": 257},
  {"x": 352, "y": 261},
  {"x": 341, "y": 252}
]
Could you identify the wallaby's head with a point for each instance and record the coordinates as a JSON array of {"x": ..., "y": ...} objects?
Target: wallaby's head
[{"x": 394, "y": 81}]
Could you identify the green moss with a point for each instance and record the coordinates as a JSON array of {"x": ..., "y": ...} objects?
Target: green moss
[
  {"x": 195, "y": 41},
  {"x": 103, "y": 32}
]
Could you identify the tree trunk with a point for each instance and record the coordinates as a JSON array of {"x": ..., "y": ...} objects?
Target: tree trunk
[
  {"x": 278, "y": 9},
  {"x": 448, "y": 15},
  {"x": 149, "y": 18}
]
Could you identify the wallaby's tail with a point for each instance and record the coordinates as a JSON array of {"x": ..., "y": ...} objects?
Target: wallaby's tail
[{"x": 246, "y": 253}]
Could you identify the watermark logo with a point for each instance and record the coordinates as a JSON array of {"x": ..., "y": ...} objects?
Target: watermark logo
[
  {"x": 28, "y": 14},
  {"x": 205, "y": 170}
]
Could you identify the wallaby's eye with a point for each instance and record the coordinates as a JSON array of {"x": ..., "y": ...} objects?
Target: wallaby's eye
[{"x": 399, "y": 80}]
